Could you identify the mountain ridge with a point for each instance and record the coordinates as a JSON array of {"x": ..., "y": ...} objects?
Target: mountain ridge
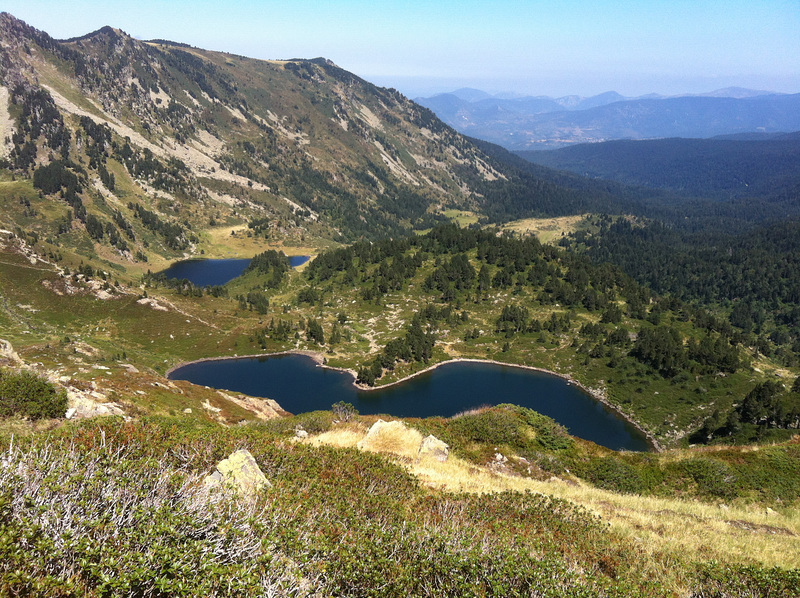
[
  {"x": 293, "y": 149},
  {"x": 546, "y": 123},
  {"x": 300, "y": 132}
]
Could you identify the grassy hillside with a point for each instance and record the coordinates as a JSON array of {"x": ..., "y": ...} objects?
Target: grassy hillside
[{"x": 366, "y": 526}]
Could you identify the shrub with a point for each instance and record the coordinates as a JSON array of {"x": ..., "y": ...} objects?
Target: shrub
[
  {"x": 493, "y": 426},
  {"x": 28, "y": 395},
  {"x": 614, "y": 474},
  {"x": 523, "y": 430},
  {"x": 717, "y": 579},
  {"x": 106, "y": 523},
  {"x": 344, "y": 411},
  {"x": 712, "y": 477}
]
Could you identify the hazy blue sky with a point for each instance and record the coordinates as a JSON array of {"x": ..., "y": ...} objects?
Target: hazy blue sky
[{"x": 526, "y": 46}]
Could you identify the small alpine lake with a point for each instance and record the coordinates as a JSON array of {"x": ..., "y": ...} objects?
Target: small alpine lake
[
  {"x": 299, "y": 384},
  {"x": 213, "y": 272}
]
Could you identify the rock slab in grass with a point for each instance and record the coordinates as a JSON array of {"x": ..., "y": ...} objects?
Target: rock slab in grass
[
  {"x": 393, "y": 437},
  {"x": 239, "y": 472},
  {"x": 435, "y": 448}
]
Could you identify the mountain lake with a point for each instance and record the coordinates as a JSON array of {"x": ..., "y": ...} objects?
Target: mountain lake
[
  {"x": 213, "y": 272},
  {"x": 299, "y": 385}
]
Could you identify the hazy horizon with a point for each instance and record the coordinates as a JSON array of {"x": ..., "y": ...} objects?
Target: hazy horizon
[
  {"x": 572, "y": 47},
  {"x": 427, "y": 89}
]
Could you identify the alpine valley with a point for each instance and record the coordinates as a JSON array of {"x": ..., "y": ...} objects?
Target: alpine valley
[{"x": 674, "y": 304}]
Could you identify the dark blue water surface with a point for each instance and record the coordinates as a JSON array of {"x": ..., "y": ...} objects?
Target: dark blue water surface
[
  {"x": 298, "y": 260},
  {"x": 209, "y": 273},
  {"x": 299, "y": 385}
]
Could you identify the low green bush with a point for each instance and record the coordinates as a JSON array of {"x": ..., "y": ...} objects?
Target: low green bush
[
  {"x": 27, "y": 395},
  {"x": 521, "y": 429},
  {"x": 715, "y": 579},
  {"x": 109, "y": 508},
  {"x": 113, "y": 508},
  {"x": 713, "y": 478},
  {"x": 611, "y": 473}
]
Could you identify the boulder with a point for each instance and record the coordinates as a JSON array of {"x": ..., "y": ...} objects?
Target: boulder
[
  {"x": 435, "y": 448},
  {"x": 239, "y": 472},
  {"x": 84, "y": 404}
]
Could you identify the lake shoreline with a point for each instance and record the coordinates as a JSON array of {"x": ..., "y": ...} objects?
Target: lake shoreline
[{"x": 319, "y": 359}]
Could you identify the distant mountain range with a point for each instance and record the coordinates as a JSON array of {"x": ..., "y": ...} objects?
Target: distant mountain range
[{"x": 541, "y": 122}]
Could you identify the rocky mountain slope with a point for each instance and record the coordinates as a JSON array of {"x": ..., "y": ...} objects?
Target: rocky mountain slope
[{"x": 198, "y": 138}]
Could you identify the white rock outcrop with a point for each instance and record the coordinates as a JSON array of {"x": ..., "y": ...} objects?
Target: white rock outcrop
[
  {"x": 90, "y": 403},
  {"x": 393, "y": 437}
]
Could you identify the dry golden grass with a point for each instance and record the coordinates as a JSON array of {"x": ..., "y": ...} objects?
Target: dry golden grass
[
  {"x": 392, "y": 437},
  {"x": 338, "y": 437},
  {"x": 547, "y": 230},
  {"x": 461, "y": 217},
  {"x": 234, "y": 242},
  {"x": 221, "y": 243},
  {"x": 736, "y": 534}
]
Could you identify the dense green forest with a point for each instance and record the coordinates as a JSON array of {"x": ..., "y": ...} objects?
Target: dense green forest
[
  {"x": 753, "y": 277},
  {"x": 715, "y": 223},
  {"x": 713, "y": 168}
]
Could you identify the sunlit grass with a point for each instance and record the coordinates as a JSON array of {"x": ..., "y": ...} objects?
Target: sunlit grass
[
  {"x": 685, "y": 528},
  {"x": 547, "y": 230},
  {"x": 461, "y": 217}
]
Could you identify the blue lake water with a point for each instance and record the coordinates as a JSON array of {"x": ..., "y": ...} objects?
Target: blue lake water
[
  {"x": 210, "y": 272},
  {"x": 299, "y": 385},
  {"x": 298, "y": 260}
]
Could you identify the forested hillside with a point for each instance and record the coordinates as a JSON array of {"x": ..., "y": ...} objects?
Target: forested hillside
[
  {"x": 710, "y": 168},
  {"x": 752, "y": 277},
  {"x": 480, "y": 294}
]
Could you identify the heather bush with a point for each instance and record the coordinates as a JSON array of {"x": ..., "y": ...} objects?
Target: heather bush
[{"x": 27, "y": 395}]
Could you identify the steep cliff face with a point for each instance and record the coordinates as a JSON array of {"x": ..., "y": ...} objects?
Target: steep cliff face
[{"x": 105, "y": 123}]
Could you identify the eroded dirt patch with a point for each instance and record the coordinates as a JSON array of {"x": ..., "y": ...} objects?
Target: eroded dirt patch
[{"x": 759, "y": 528}]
